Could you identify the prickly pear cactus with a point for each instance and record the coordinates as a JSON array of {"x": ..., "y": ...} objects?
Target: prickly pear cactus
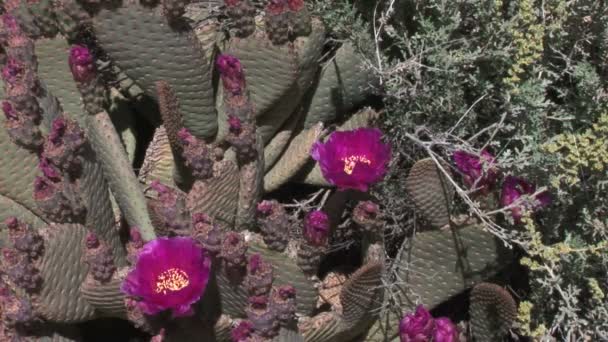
[{"x": 237, "y": 97}]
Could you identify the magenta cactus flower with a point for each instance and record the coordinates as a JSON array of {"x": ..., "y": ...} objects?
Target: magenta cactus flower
[
  {"x": 353, "y": 159},
  {"x": 445, "y": 331},
  {"x": 82, "y": 64},
  {"x": 231, "y": 72},
  {"x": 316, "y": 227},
  {"x": 477, "y": 171},
  {"x": 417, "y": 327},
  {"x": 513, "y": 188},
  {"x": 170, "y": 274}
]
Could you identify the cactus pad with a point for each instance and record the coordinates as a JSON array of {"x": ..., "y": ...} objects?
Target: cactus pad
[{"x": 431, "y": 192}]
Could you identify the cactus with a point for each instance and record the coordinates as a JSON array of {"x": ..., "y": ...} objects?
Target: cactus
[
  {"x": 493, "y": 310},
  {"x": 236, "y": 105}
]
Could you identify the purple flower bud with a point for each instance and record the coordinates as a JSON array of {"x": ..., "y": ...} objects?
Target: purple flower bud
[
  {"x": 82, "y": 64},
  {"x": 135, "y": 237},
  {"x": 48, "y": 170},
  {"x": 235, "y": 125},
  {"x": 12, "y": 71},
  {"x": 101, "y": 263},
  {"x": 206, "y": 233},
  {"x": 242, "y": 331},
  {"x": 196, "y": 154},
  {"x": 274, "y": 224},
  {"x": 259, "y": 276},
  {"x": 234, "y": 250},
  {"x": 12, "y": 223},
  {"x": 231, "y": 72},
  {"x": 513, "y": 188},
  {"x": 64, "y": 145},
  {"x": 10, "y": 24},
  {"x": 92, "y": 241},
  {"x": 185, "y": 137},
  {"x": 445, "y": 331},
  {"x": 265, "y": 207},
  {"x": 9, "y": 111},
  {"x": 283, "y": 303},
  {"x": 169, "y": 210},
  {"x": 417, "y": 327},
  {"x": 24, "y": 239},
  {"x": 262, "y": 316},
  {"x": 316, "y": 228}
]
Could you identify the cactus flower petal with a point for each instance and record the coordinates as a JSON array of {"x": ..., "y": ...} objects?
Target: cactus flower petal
[
  {"x": 479, "y": 171},
  {"x": 170, "y": 274},
  {"x": 353, "y": 159},
  {"x": 417, "y": 326},
  {"x": 445, "y": 331},
  {"x": 513, "y": 188}
]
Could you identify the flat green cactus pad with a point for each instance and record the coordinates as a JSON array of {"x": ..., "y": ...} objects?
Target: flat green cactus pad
[
  {"x": 343, "y": 85},
  {"x": 63, "y": 271},
  {"x": 107, "y": 299},
  {"x": 270, "y": 70},
  {"x": 309, "y": 51},
  {"x": 440, "y": 264},
  {"x": 295, "y": 156},
  {"x": 492, "y": 311},
  {"x": 53, "y": 68},
  {"x": 18, "y": 169},
  {"x": 217, "y": 197},
  {"x": 158, "y": 162},
  {"x": 431, "y": 191},
  {"x": 148, "y": 50}
]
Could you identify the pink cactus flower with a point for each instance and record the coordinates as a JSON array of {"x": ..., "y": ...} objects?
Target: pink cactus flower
[
  {"x": 477, "y": 171},
  {"x": 353, "y": 159},
  {"x": 170, "y": 274},
  {"x": 417, "y": 327},
  {"x": 231, "y": 72},
  {"x": 445, "y": 331},
  {"x": 513, "y": 188}
]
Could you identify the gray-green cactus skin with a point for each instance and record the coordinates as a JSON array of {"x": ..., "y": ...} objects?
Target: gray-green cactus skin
[{"x": 156, "y": 63}]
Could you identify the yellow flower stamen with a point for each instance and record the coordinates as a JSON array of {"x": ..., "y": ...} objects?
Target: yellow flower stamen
[
  {"x": 351, "y": 162},
  {"x": 172, "y": 280}
]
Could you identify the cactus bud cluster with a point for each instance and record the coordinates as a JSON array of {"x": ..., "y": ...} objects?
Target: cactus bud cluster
[
  {"x": 209, "y": 235},
  {"x": 197, "y": 156},
  {"x": 65, "y": 145},
  {"x": 242, "y": 15},
  {"x": 316, "y": 236},
  {"x": 274, "y": 223},
  {"x": 100, "y": 258},
  {"x": 169, "y": 211}
]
